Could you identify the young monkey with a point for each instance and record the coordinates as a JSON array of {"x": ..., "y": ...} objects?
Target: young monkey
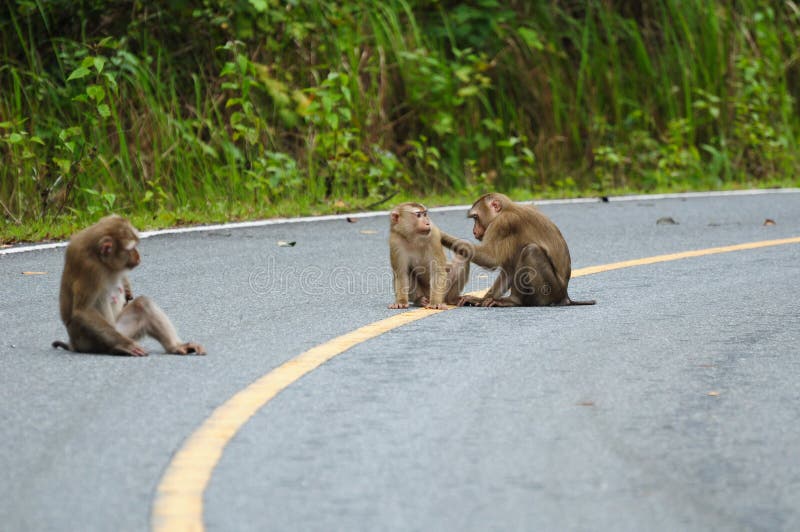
[
  {"x": 96, "y": 300},
  {"x": 421, "y": 272}
]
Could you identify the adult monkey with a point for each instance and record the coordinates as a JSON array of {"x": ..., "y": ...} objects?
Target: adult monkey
[
  {"x": 528, "y": 248},
  {"x": 96, "y": 300}
]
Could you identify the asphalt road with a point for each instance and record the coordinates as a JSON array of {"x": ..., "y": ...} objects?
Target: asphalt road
[{"x": 672, "y": 404}]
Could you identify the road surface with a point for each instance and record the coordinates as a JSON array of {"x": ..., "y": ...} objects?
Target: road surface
[{"x": 672, "y": 404}]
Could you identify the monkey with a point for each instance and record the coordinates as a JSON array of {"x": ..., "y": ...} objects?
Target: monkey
[
  {"x": 528, "y": 248},
  {"x": 419, "y": 266},
  {"x": 96, "y": 299}
]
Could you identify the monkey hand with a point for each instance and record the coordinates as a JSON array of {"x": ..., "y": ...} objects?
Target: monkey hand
[
  {"x": 440, "y": 306},
  {"x": 464, "y": 248},
  {"x": 129, "y": 349},
  {"x": 470, "y": 301},
  {"x": 188, "y": 348},
  {"x": 398, "y": 305}
]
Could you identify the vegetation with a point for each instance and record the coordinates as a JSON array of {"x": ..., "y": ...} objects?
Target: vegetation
[{"x": 175, "y": 112}]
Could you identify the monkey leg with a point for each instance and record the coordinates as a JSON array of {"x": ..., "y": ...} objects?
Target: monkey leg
[
  {"x": 457, "y": 276},
  {"x": 535, "y": 281},
  {"x": 90, "y": 332},
  {"x": 142, "y": 317}
]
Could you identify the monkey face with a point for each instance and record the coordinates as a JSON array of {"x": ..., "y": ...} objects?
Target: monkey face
[
  {"x": 423, "y": 223},
  {"x": 119, "y": 254},
  {"x": 478, "y": 230}
]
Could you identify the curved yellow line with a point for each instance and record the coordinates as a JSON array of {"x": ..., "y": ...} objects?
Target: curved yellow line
[{"x": 179, "y": 497}]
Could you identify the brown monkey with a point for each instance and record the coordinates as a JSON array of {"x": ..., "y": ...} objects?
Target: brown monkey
[
  {"x": 528, "y": 248},
  {"x": 419, "y": 266},
  {"x": 96, "y": 300}
]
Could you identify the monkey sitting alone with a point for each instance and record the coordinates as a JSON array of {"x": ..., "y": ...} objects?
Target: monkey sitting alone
[
  {"x": 96, "y": 299},
  {"x": 528, "y": 248},
  {"x": 420, "y": 270}
]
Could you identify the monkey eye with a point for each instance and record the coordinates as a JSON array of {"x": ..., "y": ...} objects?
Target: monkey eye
[{"x": 421, "y": 214}]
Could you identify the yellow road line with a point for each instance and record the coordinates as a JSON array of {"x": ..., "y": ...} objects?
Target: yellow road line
[
  {"x": 178, "y": 504},
  {"x": 683, "y": 255},
  {"x": 179, "y": 497}
]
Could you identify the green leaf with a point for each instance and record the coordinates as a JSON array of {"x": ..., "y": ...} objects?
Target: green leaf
[
  {"x": 14, "y": 138},
  {"x": 104, "y": 110},
  {"x": 531, "y": 38},
  {"x": 79, "y": 73},
  {"x": 259, "y": 5},
  {"x": 99, "y": 62},
  {"x": 96, "y": 92},
  {"x": 64, "y": 165},
  {"x": 466, "y": 92}
]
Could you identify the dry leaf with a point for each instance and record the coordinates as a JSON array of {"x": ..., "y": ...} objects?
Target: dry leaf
[
  {"x": 586, "y": 403},
  {"x": 351, "y": 220},
  {"x": 34, "y": 273},
  {"x": 368, "y": 232},
  {"x": 339, "y": 204},
  {"x": 769, "y": 221},
  {"x": 706, "y": 366},
  {"x": 5, "y": 246},
  {"x": 286, "y": 244},
  {"x": 666, "y": 220},
  {"x": 713, "y": 394}
]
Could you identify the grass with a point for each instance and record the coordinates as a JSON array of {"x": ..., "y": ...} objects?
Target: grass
[{"x": 179, "y": 113}]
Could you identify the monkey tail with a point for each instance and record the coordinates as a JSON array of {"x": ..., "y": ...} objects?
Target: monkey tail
[
  {"x": 567, "y": 302},
  {"x": 587, "y": 302},
  {"x": 62, "y": 345}
]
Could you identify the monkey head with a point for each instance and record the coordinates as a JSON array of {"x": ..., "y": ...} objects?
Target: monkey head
[
  {"x": 116, "y": 245},
  {"x": 410, "y": 219},
  {"x": 484, "y": 211}
]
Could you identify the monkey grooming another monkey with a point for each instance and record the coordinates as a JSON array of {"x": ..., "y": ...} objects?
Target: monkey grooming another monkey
[
  {"x": 420, "y": 270},
  {"x": 96, "y": 299},
  {"x": 528, "y": 248}
]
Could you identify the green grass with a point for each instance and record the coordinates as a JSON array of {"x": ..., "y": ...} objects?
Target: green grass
[{"x": 204, "y": 112}]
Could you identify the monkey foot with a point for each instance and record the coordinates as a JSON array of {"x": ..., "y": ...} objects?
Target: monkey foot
[{"x": 188, "y": 348}]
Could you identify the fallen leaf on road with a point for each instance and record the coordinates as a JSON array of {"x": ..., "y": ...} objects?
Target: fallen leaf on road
[
  {"x": 706, "y": 366},
  {"x": 351, "y": 219},
  {"x": 5, "y": 246},
  {"x": 286, "y": 244},
  {"x": 666, "y": 220},
  {"x": 368, "y": 232},
  {"x": 713, "y": 394},
  {"x": 586, "y": 403},
  {"x": 769, "y": 221},
  {"x": 34, "y": 273}
]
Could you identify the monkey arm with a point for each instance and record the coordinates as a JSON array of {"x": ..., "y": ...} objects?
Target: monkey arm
[
  {"x": 126, "y": 285},
  {"x": 448, "y": 241},
  {"x": 438, "y": 278},
  {"x": 400, "y": 276},
  {"x": 484, "y": 257},
  {"x": 480, "y": 255}
]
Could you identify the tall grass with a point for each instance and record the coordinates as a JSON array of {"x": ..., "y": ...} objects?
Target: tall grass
[{"x": 238, "y": 109}]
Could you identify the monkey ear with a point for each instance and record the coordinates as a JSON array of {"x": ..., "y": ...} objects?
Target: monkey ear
[
  {"x": 394, "y": 216},
  {"x": 496, "y": 205},
  {"x": 105, "y": 245}
]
